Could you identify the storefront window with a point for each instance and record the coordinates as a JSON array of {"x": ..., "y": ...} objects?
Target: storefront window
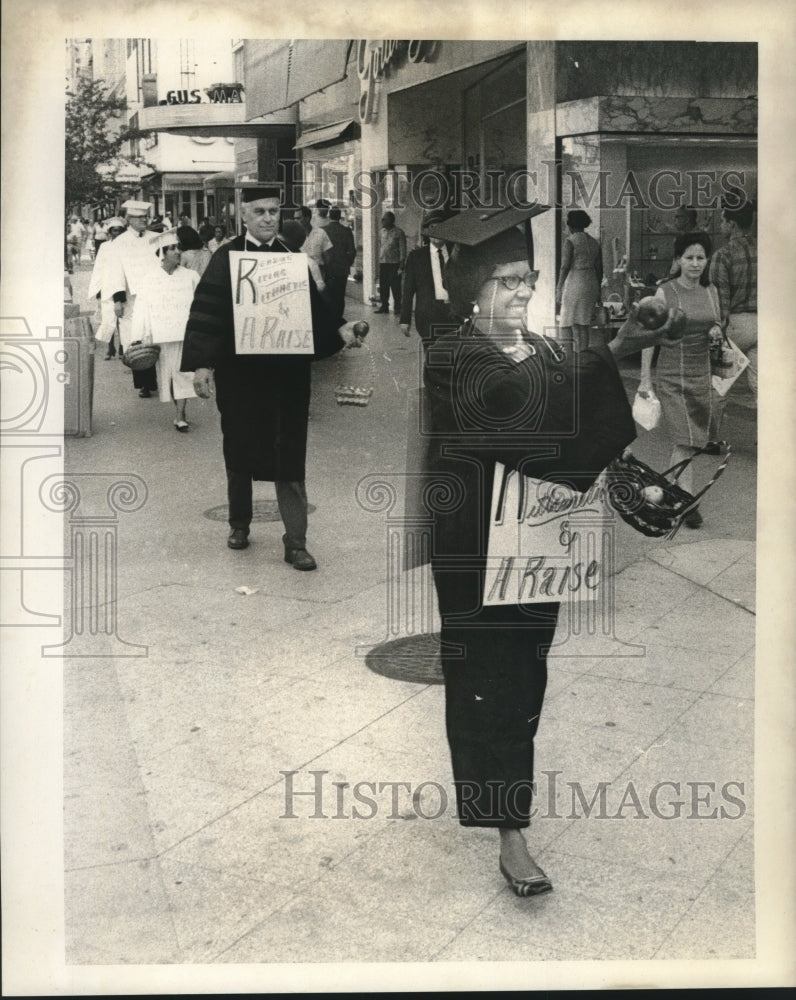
[
  {"x": 633, "y": 186},
  {"x": 331, "y": 173}
]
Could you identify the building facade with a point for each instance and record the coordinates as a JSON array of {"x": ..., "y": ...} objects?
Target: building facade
[{"x": 629, "y": 131}]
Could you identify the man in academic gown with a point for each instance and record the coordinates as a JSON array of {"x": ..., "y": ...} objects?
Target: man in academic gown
[{"x": 263, "y": 399}]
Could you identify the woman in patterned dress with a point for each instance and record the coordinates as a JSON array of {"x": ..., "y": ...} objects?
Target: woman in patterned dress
[{"x": 682, "y": 373}]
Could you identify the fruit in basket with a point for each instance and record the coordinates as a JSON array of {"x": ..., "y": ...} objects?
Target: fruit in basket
[
  {"x": 652, "y": 312},
  {"x": 653, "y": 495}
]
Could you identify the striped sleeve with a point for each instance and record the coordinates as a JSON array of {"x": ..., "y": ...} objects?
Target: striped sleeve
[{"x": 209, "y": 333}]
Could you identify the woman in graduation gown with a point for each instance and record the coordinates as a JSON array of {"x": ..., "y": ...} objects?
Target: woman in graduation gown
[{"x": 500, "y": 393}]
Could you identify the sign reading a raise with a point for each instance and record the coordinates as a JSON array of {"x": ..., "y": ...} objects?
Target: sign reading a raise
[{"x": 271, "y": 303}]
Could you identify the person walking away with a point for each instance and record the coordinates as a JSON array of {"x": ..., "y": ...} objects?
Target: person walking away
[
  {"x": 578, "y": 289},
  {"x": 317, "y": 243},
  {"x": 392, "y": 258},
  {"x": 263, "y": 399},
  {"x": 161, "y": 313},
  {"x": 339, "y": 259}
]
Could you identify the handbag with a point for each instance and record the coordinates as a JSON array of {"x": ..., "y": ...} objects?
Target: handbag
[
  {"x": 647, "y": 500},
  {"x": 647, "y": 410}
]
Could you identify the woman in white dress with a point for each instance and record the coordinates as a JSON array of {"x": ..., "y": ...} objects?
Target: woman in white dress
[{"x": 160, "y": 317}]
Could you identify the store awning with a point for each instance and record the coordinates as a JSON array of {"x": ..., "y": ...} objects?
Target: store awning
[
  {"x": 221, "y": 177},
  {"x": 230, "y": 120},
  {"x": 280, "y": 73},
  {"x": 182, "y": 181},
  {"x": 329, "y": 133}
]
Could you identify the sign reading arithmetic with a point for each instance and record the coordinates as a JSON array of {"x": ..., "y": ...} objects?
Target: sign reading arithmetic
[
  {"x": 546, "y": 542},
  {"x": 271, "y": 303}
]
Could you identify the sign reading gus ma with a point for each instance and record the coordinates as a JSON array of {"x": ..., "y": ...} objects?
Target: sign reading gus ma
[{"x": 271, "y": 303}]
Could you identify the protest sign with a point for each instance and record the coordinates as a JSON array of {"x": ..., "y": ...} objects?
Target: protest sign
[
  {"x": 271, "y": 303},
  {"x": 547, "y": 542}
]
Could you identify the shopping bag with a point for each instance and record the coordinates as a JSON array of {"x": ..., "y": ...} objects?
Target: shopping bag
[
  {"x": 726, "y": 364},
  {"x": 647, "y": 410}
]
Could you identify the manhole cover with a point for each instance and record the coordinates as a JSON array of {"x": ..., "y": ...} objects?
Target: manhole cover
[
  {"x": 414, "y": 658},
  {"x": 262, "y": 510}
]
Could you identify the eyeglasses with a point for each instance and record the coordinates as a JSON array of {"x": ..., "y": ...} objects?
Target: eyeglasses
[{"x": 513, "y": 281}]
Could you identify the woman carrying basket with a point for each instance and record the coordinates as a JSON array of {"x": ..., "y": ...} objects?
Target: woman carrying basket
[{"x": 499, "y": 393}]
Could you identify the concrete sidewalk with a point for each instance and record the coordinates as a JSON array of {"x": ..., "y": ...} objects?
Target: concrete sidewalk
[{"x": 256, "y": 789}]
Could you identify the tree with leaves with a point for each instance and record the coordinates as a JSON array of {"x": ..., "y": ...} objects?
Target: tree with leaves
[{"x": 96, "y": 131}]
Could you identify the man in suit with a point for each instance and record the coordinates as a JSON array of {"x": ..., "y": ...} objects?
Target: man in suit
[
  {"x": 338, "y": 260},
  {"x": 263, "y": 399},
  {"x": 424, "y": 284}
]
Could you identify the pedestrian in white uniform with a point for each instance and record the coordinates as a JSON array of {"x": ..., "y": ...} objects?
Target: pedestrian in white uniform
[
  {"x": 161, "y": 313},
  {"x": 99, "y": 287},
  {"x": 130, "y": 260}
]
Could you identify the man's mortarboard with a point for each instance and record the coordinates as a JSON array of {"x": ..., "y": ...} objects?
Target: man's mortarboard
[
  {"x": 256, "y": 192},
  {"x": 491, "y": 234}
]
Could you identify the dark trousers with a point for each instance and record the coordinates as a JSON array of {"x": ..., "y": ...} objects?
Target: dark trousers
[
  {"x": 390, "y": 281},
  {"x": 291, "y": 498},
  {"x": 336, "y": 285},
  {"x": 495, "y": 670},
  {"x": 146, "y": 379}
]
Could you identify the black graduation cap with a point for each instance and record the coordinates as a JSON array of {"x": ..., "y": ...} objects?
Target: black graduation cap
[
  {"x": 256, "y": 190},
  {"x": 494, "y": 234}
]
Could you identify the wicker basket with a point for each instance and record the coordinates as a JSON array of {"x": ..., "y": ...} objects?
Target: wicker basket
[
  {"x": 627, "y": 479},
  {"x": 140, "y": 356}
]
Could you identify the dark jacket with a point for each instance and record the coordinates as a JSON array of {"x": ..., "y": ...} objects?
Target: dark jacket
[
  {"x": 560, "y": 420},
  {"x": 430, "y": 314},
  {"x": 263, "y": 399},
  {"x": 337, "y": 261}
]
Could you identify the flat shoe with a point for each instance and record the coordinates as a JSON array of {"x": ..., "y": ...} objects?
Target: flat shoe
[
  {"x": 300, "y": 559},
  {"x": 181, "y": 425},
  {"x": 238, "y": 539},
  {"x": 144, "y": 394},
  {"x": 530, "y": 885}
]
